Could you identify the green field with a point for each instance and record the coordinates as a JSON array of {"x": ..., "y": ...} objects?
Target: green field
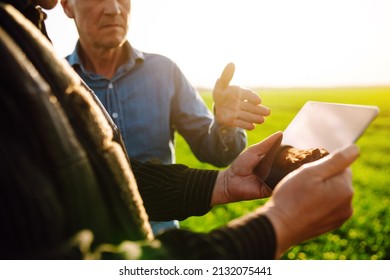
[{"x": 367, "y": 234}]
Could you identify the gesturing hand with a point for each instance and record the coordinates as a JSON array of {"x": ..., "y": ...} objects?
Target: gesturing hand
[{"x": 235, "y": 106}]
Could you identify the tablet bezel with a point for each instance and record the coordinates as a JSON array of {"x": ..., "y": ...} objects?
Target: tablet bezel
[{"x": 328, "y": 125}]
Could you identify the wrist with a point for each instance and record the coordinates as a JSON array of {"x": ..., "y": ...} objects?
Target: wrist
[
  {"x": 217, "y": 118},
  {"x": 283, "y": 231},
  {"x": 219, "y": 192}
]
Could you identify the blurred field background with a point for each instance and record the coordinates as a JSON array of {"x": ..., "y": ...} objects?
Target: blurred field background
[{"x": 367, "y": 234}]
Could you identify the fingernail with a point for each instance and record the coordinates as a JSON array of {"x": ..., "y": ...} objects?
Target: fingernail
[{"x": 351, "y": 150}]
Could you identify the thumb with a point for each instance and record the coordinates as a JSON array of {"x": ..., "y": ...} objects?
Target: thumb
[
  {"x": 259, "y": 153},
  {"x": 248, "y": 161},
  {"x": 270, "y": 148},
  {"x": 226, "y": 77},
  {"x": 338, "y": 162}
]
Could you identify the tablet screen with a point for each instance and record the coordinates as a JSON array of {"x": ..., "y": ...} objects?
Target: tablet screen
[{"x": 328, "y": 125}]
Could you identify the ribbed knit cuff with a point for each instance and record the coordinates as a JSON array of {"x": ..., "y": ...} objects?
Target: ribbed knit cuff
[
  {"x": 198, "y": 192},
  {"x": 174, "y": 191}
]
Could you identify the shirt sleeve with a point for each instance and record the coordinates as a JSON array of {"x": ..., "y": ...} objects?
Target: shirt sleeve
[
  {"x": 230, "y": 138},
  {"x": 210, "y": 142},
  {"x": 183, "y": 191}
]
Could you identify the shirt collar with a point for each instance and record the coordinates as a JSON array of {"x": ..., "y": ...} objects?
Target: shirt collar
[{"x": 135, "y": 56}]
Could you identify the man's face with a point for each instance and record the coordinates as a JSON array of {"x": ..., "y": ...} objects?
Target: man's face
[{"x": 100, "y": 23}]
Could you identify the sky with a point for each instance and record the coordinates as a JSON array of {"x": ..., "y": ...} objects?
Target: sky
[{"x": 273, "y": 43}]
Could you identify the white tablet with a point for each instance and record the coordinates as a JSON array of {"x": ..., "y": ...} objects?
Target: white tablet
[{"x": 328, "y": 125}]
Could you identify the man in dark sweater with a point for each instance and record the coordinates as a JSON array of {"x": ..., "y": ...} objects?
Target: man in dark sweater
[{"x": 68, "y": 190}]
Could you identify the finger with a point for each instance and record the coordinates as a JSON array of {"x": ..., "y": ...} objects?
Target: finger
[
  {"x": 263, "y": 168},
  {"x": 255, "y": 109},
  {"x": 261, "y": 149},
  {"x": 251, "y": 118},
  {"x": 249, "y": 96},
  {"x": 244, "y": 125},
  {"x": 226, "y": 77},
  {"x": 264, "y": 146},
  {"x": 338, "y": 162}
]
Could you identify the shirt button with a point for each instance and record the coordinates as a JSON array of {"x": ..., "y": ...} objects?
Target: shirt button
[
  {"x": 110, "y": 86},
  {"x": 114, "y": 115}
]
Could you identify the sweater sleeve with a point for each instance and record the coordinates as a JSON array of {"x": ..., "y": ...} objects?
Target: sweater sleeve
[
  {"x": 174, "y": 191},
  {"x": 251, "y": 237},
  {"x": 248, "y": 238}
]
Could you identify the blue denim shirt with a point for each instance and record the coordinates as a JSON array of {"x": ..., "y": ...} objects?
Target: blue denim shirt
[{"x": 149, "y": 99}]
